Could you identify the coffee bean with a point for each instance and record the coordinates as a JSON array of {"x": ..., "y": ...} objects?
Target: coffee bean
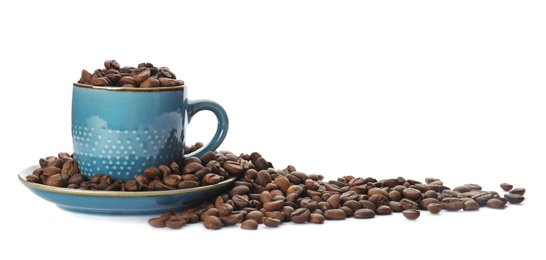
[
  {"x": 383, "y": 210},
  {"x": 175, "y": 222},
  {"x": 364, "y": 213},
  {"x": 301, "y": 215},
  {"x": 249, "y": 224},
  {"x": 520, "y": 191},
  {"x": 411, "y": 193},
  {"x": 231, "y": 219},
  {"x": 506, "y": 186},
  {"x": 471, "y": 205},
  {"x": 452, "y": 204},
  {"x": 316, "y": 218},
  {"x": 514, "y": 198},
  {"x": 271, "y": 222},
  {"x": 411, "y": 214},
  {"x": 335, "y": 214},
  {"x": 434, "y": 208},
  {"x": 496, "y": 204},
  {"x": 212, "y": 222}
]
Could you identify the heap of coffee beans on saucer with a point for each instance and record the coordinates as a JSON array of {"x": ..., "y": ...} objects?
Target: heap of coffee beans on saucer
[{"x": 269, "y": 196}]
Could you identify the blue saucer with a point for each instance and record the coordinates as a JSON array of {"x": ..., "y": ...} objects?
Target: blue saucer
[{"x": 123, "y": 202}]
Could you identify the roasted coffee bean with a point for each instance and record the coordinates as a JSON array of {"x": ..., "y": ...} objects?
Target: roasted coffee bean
[
  {"x": 231, "y": 219},
  {"x": 255, "y": 215},
  {"x": 506, "y": 186},
  {"x": 520, "y": 191},
  {"x": 496, "y": 204},
  {"x": 212, "y": 222},
  {"x": 411, "y": 214},
  {"x": 408, "y": 204},
  {"x": 452, "y": 204},
  {"x": 514, "y": 198},
  {"x": 273, "y": 205},
  {"x": 175, "y": 222},
  {"x": 411, "y": 193},
  {"x": 434, "y": 208},
  {"x": 471, "y": 205},
  {"x": 300, "y": 215},
  {"x": 335, "y": 214},
  {"x": 364, "y": 213},
  {"x": 271, "y": 222},
  {"x": 383, "y": 210},
  {"x": 249, "y": 224},
  {"x": 316, "y": 218}
]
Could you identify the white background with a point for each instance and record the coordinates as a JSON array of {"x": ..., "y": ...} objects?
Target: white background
[{"x": 449, "y": 89}]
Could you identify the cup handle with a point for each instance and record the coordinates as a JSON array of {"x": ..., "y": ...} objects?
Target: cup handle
[{"x": 195, "y": 106}]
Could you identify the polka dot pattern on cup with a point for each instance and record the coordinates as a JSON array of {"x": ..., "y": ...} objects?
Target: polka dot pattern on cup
[{"x": 123, "y": 152}]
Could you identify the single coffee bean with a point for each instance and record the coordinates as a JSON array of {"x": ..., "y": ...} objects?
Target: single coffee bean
[
  {"x": 452, "y": 204},
  {"x": 374, "y": 191},
  {"x": 383, "y": 210},
  {"x": 271, "y": 222},
  {"x": 232, "y": 219},
  {"x": 150, "y": 82},
  {"x": 514, "y": 198},
  {"x": 506, "y": 186},
  {"x": 408, "y": 204},
  {"x": 56, "y": 180},
  {"x": 255, "y": 215},
  {"x": 175, "y": 222},
  {"x": 434, "y": 208},
  {"x": 274, "y": 214},
  {"x": 335, "y": 214},
  {"x": 411, "y": 214},
  {"x": 396, "y": 206},
  {"x": 300, "y": 215},
  {"x": 520, "y": 191},
  {"x": 471, "y": 205},
  {"x": 496, "y": 204},
  {"x": 249, "y": 224},
  {"x": 364, "y": 213},
  {"x": 334, "y": 201},
  {"x": 316, "y": 218},
  {"x": 273, "y": 205},
  {"x": 212, "y": 222},
  {"x": 411, "y": 193}
]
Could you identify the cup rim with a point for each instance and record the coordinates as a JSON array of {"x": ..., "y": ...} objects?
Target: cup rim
[{"x": 129, "y": 89}]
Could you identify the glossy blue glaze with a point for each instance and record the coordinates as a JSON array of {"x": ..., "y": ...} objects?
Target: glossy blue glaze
[{"x": 121, "y": 132}]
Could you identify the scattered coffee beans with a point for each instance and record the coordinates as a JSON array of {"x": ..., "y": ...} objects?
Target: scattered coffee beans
[
  {"x": 145, "y": 75},
  {"x": 268, "y": 196}
]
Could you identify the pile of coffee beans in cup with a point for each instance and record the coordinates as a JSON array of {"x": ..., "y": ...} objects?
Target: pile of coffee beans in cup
[
  {"x": 144, "y": 75},
  {"x": 263, "y": 195}
]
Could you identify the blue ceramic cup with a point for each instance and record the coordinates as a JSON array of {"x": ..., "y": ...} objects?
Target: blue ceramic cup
[{"x": 120, "y": 131}]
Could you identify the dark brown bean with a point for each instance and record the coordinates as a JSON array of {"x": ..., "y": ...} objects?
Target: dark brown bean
[
  {"x": 514, "y": 198},
  {"x": 249, "y": 224},
  {"x": 364, "y": 213},
  {"x": 335, "y": 214},
  {"x": 411, "y": 214}
]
